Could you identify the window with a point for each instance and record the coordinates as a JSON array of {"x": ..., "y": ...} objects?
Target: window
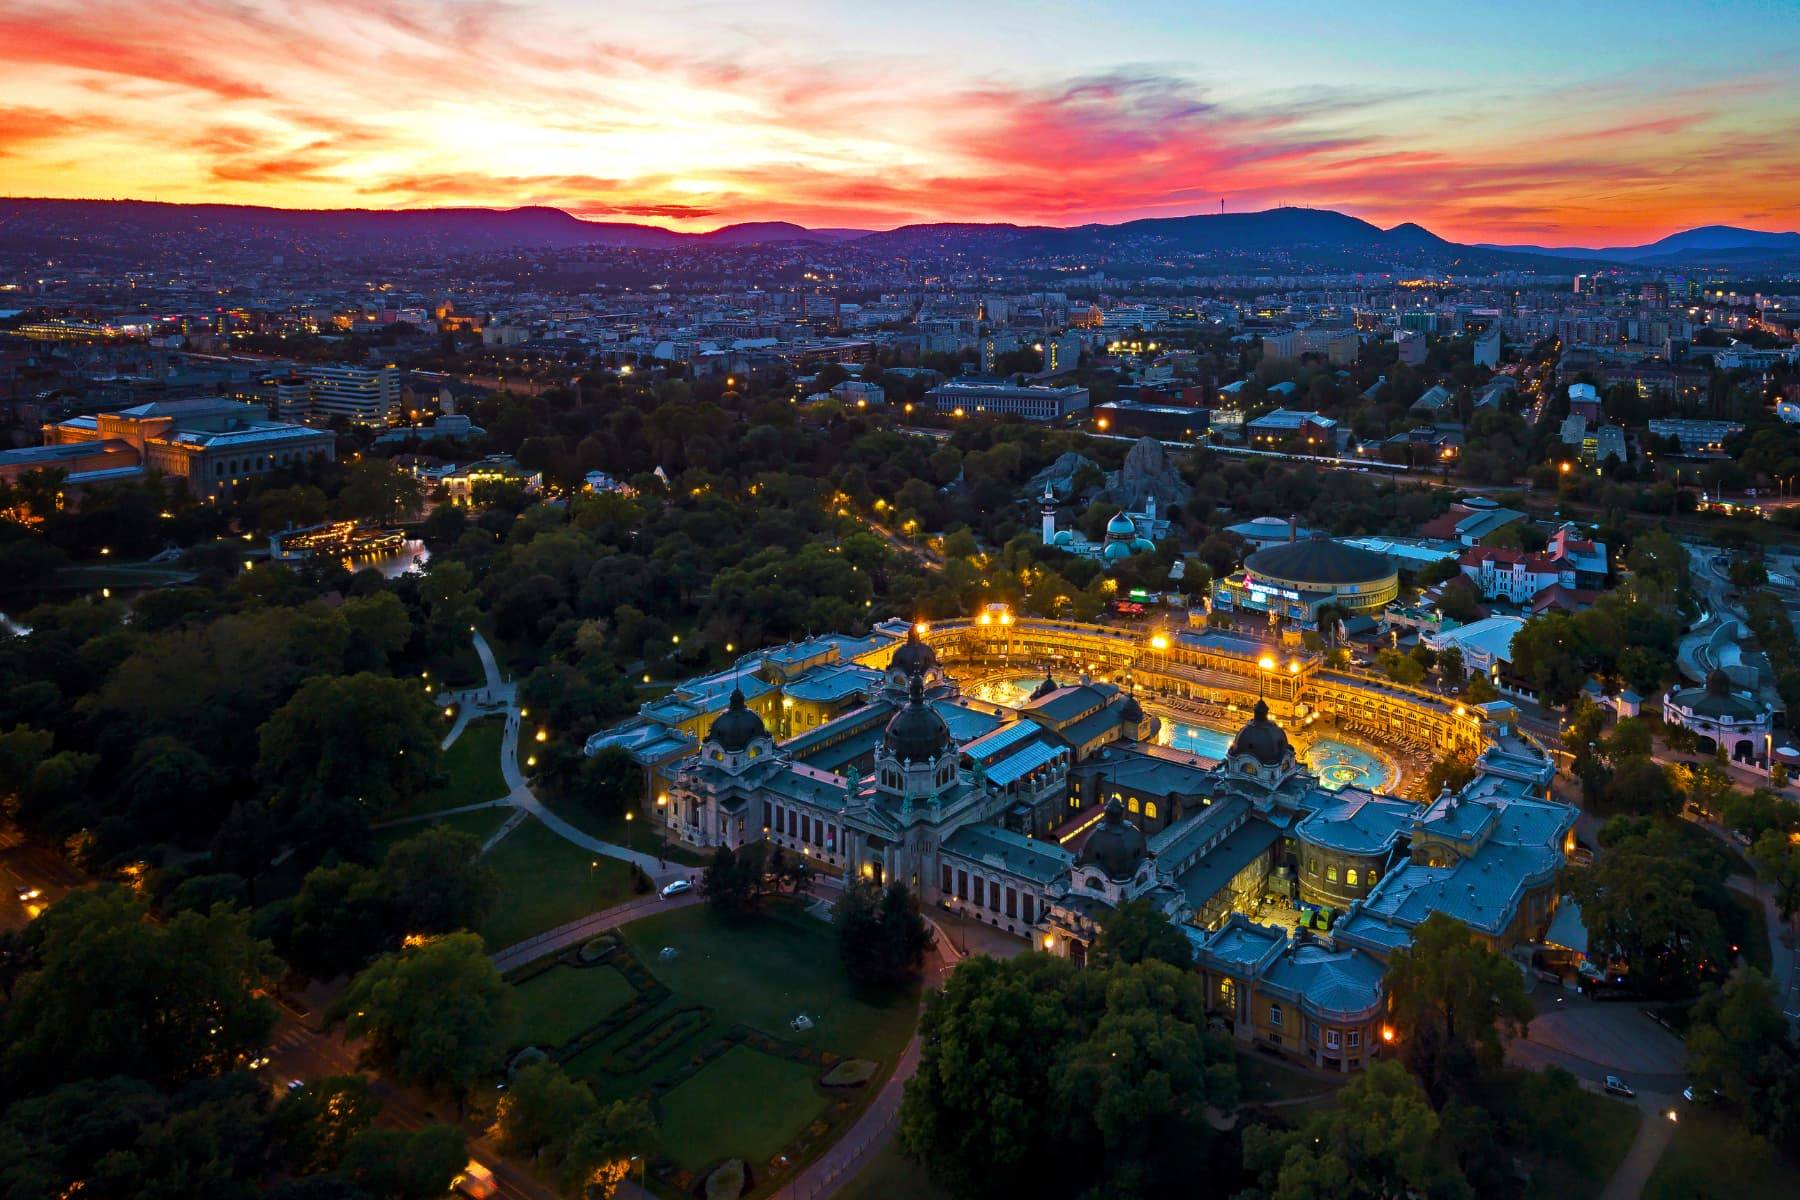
[
  {"x": 1331, "y": 1039},
  {"x": 994, "y": 895},
  {"x": 1371, "y": 879},
  {"x": 1150, "y": 810},
  {"x": 1012, "y": 902},
  {"x": 1350, "y": 877},
  {"x": 1029, "y": 908},
  {"x": 1331, "y": 874},
  {"x": 1274, "y": 1014},
  {"x": 947, "y": 880},
  {"x": 1353, "y": 1039},
  {"x": 1132, "y": 804},
  {"x": 962, "y": 884}
]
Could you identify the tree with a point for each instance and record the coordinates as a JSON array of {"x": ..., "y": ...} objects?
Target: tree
[
  {"x": 556, "y": 1121},
  {"x": 1731, "y": 1030},
  {"x": 437, "y": 1015},
  {"x": 1777, "y": 859},
  {"x": 402, "y": 1164},
  {"x": 1379, "y": 1139},
  {"x": 436, "y": 883},
  {"x": 315, "y": 1124},
  {"x": 117, "y": 994},
  {"x": 377, "y": 492},
  {"x": 1450, "y": 773},
  {"x": 1450, "y": 666},
  {"x": 1641, "y": 902},
  {"x": 1401, "y": 668},
  {"x": 882, "y": 936},
  {"x": 1139, "y": 1085},
  {"x": 1138, "y": 931},
  {"x": 346, "y": 748},
  {"x": 975, "y": 1109},
  {"x": 1452, "y": 997},
  {"x": 1641, "y": 785},
  {"x": 733, "y": 882}
]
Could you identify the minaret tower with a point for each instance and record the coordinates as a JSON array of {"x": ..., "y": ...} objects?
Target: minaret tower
[{"x": 1049, "y": 511}]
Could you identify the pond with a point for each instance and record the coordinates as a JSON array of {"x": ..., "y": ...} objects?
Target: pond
[{"x": 412, "y": 555}]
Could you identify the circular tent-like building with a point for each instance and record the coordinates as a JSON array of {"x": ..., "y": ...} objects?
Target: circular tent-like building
[{"x": 1296, "y": 579}]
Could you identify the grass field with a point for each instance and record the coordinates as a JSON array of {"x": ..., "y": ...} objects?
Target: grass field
[
  {"x": 744, "y": 1104},
  {"x": 747, "y": 1103},
  {"x": 1262, "y": 1079},
  {"x": 472, "y": 765},
  {"x": 546, "y": 881},
  {"x": 766, "y": 971},
  {"x": 1711, "y": 1156},
  {"x": 565, "y": 1000},
  {"x": 633, "y": 835}
]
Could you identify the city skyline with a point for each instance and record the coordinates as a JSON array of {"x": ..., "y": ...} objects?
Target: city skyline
[{"x": 1536, "y": 124}]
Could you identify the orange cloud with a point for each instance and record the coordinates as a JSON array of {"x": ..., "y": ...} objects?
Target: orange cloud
[{"x": 406, "y": 102}]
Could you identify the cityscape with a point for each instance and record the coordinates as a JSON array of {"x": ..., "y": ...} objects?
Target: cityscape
[{"x": 1068, "y": 601}]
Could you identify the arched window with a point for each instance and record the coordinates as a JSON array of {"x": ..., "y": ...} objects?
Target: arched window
[
  {"x": 1371, "y": 879},
  {"x": 1331, "y": 874},
  {"x": 1132, "y": 804},
  {"x": 1150, "y": 810},
  {"x": 1350, "y": 877}
]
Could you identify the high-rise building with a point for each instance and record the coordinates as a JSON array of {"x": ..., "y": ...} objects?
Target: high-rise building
[
  {"x": 1062, "y": 352},
  {"x": 360, "y": 395}
]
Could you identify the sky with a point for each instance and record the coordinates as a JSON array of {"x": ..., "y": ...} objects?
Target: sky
[{"x": 1571, "y": 123}]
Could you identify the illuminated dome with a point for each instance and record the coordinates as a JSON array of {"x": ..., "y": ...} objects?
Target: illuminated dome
[
  {"x": 737, "y": 727},
  {"x": 1262, "y": 739},
  {"x": 1116, "y": 846},
  {"x": 917, "y": 733},
  {"x": 915, "y": 656},
  {"x": 1318, "y": 563},
  {"x": 1121, "y": 526},
  {"x": 1115, "y": 551},
  {"x": 1046, "y": 687},
  {"x": 1063, "y": 537}
]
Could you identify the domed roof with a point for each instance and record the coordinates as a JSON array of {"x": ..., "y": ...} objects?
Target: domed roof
[
  {"x": 1046, "y": 687},
  {"x": 1262, "y": 738},
  {"x": 1140, "y": 545},
  {"x": 1116, "y": 550},
  {"x": 1120, "y": 526},
  {"x": 915, "y": 656},
  {"x": 917, "y": 733},
  {"x": 737, "y": 726},
  {"x": 1062, "y": 537},
  {"x": 1132, "y": 712},
  {"x": 1116, "y": 846},
  {"x": 1319, "y": 560}
]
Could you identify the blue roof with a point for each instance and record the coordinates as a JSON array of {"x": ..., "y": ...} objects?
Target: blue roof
[
  {"x": 1023, "y": 762},
  {"x": 1356, "y": 822},
  {"x": 992, "y": 745},
  {"x": 966, "y": 724},
  {"x": 1242, "y": 945},
  {"x": 1342, "y": 982}
]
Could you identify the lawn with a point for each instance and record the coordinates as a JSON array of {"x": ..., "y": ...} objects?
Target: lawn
[
  {"x": 768, "y": 970},
  {"x": 1711, "y": 1155},
  {"x": 744, "y": 1104},
  {"x": 546, "y": 881},
  {"x": 890, "y": 1174},
  {"x": 472, "y": 765},
  {"x": 559, "y": 1003},
  {"x": 635, "y": 834},
  {"x": 1607, "y": 1127}
]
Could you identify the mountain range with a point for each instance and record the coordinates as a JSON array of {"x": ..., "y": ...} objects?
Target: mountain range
[{"x": 1324, "y": 237}]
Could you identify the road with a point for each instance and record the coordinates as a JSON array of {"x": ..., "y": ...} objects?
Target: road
[{"x": 32, "y": 865}]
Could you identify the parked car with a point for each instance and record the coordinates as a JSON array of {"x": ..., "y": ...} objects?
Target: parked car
[
  {"x": 1618, "y": 1087},
  {"x": 1693, "y": 1093},
  {"x": 27, "y": 893},
  {"x": 671, "y": 890},
  {"x": 475, "y": 1180}
]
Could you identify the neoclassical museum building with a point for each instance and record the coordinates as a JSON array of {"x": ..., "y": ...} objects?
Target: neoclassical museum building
[{"x": 1042, "y": 818}]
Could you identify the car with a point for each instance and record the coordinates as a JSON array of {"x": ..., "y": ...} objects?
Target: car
[
  {"x": 295, "y": 1085},
  {"x": 1618, "y": 1087},
  {"x": 27, "y": 893},
  {"x": 1693, "y": 1093},
  {"x": 475, "y": 1180},
  {"x": 671, "y": 890},
  {"x": 258, "y": 1063}
]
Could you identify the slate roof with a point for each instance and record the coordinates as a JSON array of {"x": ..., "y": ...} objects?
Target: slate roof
[{"x": 1014, "y": 853}]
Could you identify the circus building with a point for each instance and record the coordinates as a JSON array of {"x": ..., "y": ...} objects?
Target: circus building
[{"x": 1294, "y": 580}]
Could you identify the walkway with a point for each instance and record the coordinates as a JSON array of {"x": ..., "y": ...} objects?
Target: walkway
[
  {"x": 1653, "y": 1133},
  {"x": 588, "y": 927},
  {"x": 505, "y": 695}
]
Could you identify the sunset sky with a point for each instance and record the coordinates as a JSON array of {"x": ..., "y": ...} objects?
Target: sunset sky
[{"x": 1571, "y": 122}]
